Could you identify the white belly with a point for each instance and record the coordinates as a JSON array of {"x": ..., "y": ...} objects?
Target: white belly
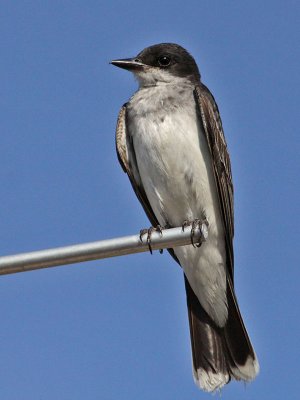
[{"x": 175, "y": 168}]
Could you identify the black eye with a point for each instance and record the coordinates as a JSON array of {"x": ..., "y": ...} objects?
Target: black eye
[{"x": 164, "y": 61}]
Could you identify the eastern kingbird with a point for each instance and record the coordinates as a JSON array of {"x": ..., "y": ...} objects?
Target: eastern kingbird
[{"x": 171, "y": 144}]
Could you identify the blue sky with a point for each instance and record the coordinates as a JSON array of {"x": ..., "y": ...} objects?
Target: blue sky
[{"x": 117, "y": 328}]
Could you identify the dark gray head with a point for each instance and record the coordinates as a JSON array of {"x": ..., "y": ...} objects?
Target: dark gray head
[{"x": 161, "y": 63}]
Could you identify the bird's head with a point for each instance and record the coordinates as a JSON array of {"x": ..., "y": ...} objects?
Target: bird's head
[{"x": 160, "y": 64}]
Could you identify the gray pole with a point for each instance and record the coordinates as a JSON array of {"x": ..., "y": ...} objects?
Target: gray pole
[{"x": 169, "y": 238}]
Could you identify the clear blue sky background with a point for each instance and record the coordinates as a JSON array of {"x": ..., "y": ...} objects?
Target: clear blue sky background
[{"x": 117, "y": 328}]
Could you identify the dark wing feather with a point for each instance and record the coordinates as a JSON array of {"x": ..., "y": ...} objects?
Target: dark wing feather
[
  {"x": 125, "y": 147},
  {"x": 212, "y": 125},
  {"x": 227, "y": 351}
]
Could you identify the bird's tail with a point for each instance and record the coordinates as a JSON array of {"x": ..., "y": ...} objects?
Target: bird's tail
[{"x": 219, "y": 354}]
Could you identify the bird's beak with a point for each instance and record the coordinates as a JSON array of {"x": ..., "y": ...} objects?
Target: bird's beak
[{"x": 131, "y": 64}]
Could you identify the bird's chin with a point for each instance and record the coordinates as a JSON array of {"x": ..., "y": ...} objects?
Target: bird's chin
[
  {"x": 144, "y": 78},
  {"x": 152, "y": 77}
]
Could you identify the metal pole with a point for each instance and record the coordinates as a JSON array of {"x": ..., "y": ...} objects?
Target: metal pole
[{"x": 169, "y": 238}]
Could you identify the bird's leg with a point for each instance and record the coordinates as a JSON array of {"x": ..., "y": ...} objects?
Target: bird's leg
[
  {"x": 185, "y": 224},
  {"x": 149, "y": 232},
  {"x": 201, "y": 224},
  {"x": 159, "y": 229}
]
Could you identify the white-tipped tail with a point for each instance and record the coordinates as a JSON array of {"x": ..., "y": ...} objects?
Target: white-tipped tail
[
  {"x": 219, "y": 353},
  {"x": 248, "y": 371},
  {"x": 210, "y": 381}
]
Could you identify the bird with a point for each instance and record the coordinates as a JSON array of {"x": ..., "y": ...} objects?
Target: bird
[{"x": 171, "y": 144}]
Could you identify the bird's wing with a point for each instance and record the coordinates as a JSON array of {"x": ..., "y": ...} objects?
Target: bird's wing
[
  {"x": 124, "y": 146},
  {"x": 212, "y": 125}
]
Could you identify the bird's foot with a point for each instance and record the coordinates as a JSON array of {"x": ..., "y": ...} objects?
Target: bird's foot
[
  {"x": 202, "y": 225},
  {"x": 149, "y": 233}
]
